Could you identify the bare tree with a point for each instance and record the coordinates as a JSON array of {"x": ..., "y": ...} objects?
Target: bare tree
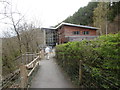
[
  {"x": 26, "y": 37},
  {"x": 31, "y": 37},
  {"x": 9, "y": 14}
]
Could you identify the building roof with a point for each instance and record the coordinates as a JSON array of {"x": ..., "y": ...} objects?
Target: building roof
[
  {"x": 69, "y": 24},
  {"x": 49, "y": 28},
  {"x": 75, "y": 25}
]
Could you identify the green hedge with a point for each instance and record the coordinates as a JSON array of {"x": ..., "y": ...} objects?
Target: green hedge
[{"x": 100, "y": 57}]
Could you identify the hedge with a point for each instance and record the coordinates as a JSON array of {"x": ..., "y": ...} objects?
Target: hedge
[{"x": 100, "y": 57}]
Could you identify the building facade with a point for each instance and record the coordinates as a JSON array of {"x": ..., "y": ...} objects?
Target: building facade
[
  {"x": 71, "y": 32},
  {"x": 66, "y": 32},
  {"x": 50, "y": 36}
]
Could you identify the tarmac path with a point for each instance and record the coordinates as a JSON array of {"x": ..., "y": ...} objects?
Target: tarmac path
[{"x": 50, "y": 75}]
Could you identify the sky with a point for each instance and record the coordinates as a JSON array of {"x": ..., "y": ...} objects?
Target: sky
[{"x": 46, "y": 13}]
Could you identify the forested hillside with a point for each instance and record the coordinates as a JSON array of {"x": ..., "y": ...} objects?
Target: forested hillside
[
  {"x": 83, "y": 16},
  {"x": 99, "y": 14}
]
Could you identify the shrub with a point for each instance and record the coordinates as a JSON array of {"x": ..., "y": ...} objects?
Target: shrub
[{"x": 100, "y": 57}]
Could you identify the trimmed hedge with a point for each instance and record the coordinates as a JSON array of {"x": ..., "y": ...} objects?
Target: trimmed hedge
[{"x": 100, "y": 57}]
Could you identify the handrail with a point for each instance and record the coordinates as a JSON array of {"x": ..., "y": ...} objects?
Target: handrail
[
  {"x": 33, "y": 69},
  {"x": 24, "y": 71},
  {"x": 9, "y": 80},
  {"x": 28, "y": 54},
  {"x": 32, "y": 62}
]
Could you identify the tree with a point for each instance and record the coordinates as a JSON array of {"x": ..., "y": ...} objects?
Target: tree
[
  {"x": 83, "y": 15},
  {"x": 11, "y": 15},
  {"x": 30, "y": 37},
  {"x": 100, "y": 17},
  {"x": 114, "y": 10},
  {"x": 25, "y": 38}
]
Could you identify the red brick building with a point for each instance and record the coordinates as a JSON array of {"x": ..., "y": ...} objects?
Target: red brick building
[
  {"x": 72, "y": 32},
  {"x": 66, "y": 32}
]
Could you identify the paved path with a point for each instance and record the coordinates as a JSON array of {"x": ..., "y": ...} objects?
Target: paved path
[{"x": 50, "y": 75}]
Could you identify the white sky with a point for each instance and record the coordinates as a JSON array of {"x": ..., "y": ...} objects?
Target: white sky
[{"x": 47, "y": 12}]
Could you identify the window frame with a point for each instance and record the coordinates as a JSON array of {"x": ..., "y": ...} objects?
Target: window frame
[
  {"x": 76, "y": 32},
  {"x": 86, "y": 32}
]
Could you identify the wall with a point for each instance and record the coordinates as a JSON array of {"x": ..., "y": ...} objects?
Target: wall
[
  {"x": 69, "y": 30},
  {"x": 66, "y": 34}
]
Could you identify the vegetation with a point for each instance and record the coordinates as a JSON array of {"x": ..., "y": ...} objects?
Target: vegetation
[
  {"x": 30, "y": 41},
  {"x": 83, "y": 16},
  {"x": 99, "y": 14},
  {"x": 100, "y": 19},
  {"x": 114, "y": 10},
  {"x": 100, "y": 57},
  {"x": 104, "y": 17},
  {"x": 25, "y": 37}
]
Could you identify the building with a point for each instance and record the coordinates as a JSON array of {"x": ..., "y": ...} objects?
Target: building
[
  {"x": 67, "y": 32},
  {"x": 50, "y": 36},
  {"x": 72, "y": 32}
]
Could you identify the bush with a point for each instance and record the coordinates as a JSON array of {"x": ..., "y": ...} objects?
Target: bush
[{"x": 100, "y": 57}]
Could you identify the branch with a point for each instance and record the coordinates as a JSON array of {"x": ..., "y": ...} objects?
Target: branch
[
  {"x": 5, "y": 2},
  {"x": 19, "y": 20},
  {"x": 3, "y": 18},
  {"x": 6, "y": 23}
]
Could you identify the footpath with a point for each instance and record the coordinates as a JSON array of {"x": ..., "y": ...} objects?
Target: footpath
[{"x": 50, "y": 75}]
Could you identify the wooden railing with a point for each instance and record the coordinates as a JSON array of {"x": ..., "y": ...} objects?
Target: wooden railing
[
  {"x": 32, "y": 65},
  {"x": 23, "y": 74}
]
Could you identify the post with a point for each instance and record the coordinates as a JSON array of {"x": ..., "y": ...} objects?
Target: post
[
  {"x": 44, "y": 32},
  {"x": 40, "y": 57},
  {"x": 26, "y": 58},
  {"x": 63, "y": 60},
  {"x": 32, "y": 58},
  {"x": 42, "y": 54},
  {"x": 106, "y": 26},
  {"x": 21, "y": 58},
  {"x": 80, "y": 72},
  {"x": 23, "y": 76}
]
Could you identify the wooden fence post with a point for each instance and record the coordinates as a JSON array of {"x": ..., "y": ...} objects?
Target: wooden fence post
[
  {"x": 63, "y": 60},
  {"x": 42, "y": 54},
  {"x": 25, "y": 56},
  {"x": 23, "y": 76},
  {"x": 80, "y": 72},
  {"x": 21, "y": 59}
]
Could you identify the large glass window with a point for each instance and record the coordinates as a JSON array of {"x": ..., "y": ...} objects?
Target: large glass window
[
  {"x": 85, "y": 32},
  {"x": 76, "y": 32}
]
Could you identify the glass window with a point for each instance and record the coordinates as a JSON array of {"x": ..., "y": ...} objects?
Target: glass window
[
  {"x": 85, "y": 32},
  {"x": 76, "y": 32}
]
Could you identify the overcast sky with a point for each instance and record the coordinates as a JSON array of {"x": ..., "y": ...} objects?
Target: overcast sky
[{"x": 48, "y": 13}]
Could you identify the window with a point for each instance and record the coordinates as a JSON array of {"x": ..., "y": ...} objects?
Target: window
[
  {"x": 76, "y": 32},
  {"x": 85, "y": 32}
]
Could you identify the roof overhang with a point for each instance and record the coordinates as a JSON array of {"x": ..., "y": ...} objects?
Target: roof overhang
[
  {"x": 48, "y": 28},
  {"x": 75, "y": 25}
]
